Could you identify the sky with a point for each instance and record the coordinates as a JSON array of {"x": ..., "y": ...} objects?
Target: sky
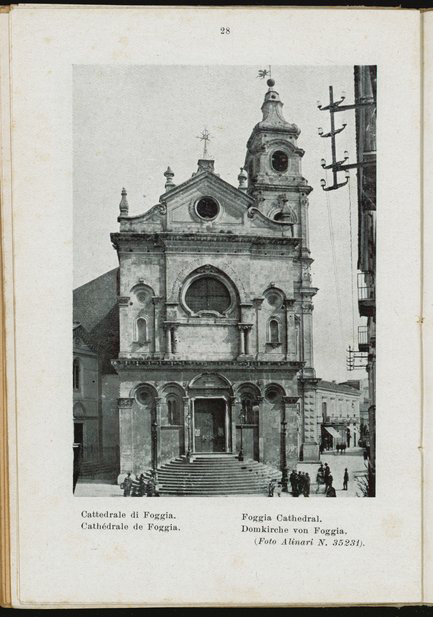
[{"x": 131, "y": 122}]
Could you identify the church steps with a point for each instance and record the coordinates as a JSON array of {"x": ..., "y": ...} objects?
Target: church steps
[{"x": 213, "y": 476}]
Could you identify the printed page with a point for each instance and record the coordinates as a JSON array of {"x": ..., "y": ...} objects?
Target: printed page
[{"x": 215, "y": 303}]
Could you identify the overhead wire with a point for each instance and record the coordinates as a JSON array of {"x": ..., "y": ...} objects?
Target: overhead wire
[{"x": 334, "y": 260}]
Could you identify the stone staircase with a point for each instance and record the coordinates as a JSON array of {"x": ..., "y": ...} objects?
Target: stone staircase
[{"x": 213, "y": 475}]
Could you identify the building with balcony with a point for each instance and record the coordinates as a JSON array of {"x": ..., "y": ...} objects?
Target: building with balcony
[
  {"x": 338, "y": 414},
  {"x": 365, "y": 113}
]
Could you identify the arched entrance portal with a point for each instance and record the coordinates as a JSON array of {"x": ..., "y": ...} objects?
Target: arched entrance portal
[{"x": 210, "y": 431}]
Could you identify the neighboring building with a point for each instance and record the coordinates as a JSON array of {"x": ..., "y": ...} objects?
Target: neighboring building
[
  {"x": 86, "y": 412},
  {"x": 338, "y": 413},
  {"x": 364, "y": 405},
  {"x": 365, "y": 93},
  {"x": 214, "y": 314},
  {"x": 95, "y": 382}
]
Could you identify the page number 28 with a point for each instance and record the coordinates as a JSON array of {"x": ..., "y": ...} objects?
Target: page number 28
[{"x": 224, "y": 30}]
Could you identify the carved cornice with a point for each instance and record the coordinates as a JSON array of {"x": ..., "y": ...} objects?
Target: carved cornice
[
  {"x": 123, "y": 300},
  {"x": 245, "y": 326},
  {"x": 291, "y": 400},
  {"x": 159, "y": 239},
  {"x": 125, "y": 403},
  {"x": 139, "y": 363}
]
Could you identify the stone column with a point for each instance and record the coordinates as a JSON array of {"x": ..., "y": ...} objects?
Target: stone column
[
  {"x": 241, "y": 340},
  {"x": 186, "y": 425},
  {"x": 156, "y": 300},
  {"x": 170, "y": 337},
  {"x": 173, "y": 335},
  {"x": 192, "y": 427},
  {"x": 236, "y": 410},
  {"x": 290, "y": 415},
  {"x": 125, "y": 434},
  {"x": 244, "y": 340},
  {"x": 227, "y": 427},
  {"x": 156, "y": 433}
]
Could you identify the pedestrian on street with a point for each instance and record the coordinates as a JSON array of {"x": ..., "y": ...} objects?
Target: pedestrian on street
[
  {"x": 307, "y": 484},
  {"x": 327, "y": 473},
  {"x": 271, "y": 487},
  {"x": 142, "y": 481},
  {"x": 293, "y": 482},
  {"x": 345, "y": 479},
  {"x": 330, "y": 491},
  {"x": 278, "y": 490},
  {"x": 126, "y": 485}
]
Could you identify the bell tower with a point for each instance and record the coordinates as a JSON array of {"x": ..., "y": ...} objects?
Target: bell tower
[{"x": 273, "y": 163}]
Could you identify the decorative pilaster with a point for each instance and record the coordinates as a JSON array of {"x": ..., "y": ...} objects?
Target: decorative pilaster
[
  {"x": 288, "y": 304},
  {"x": 125, "y": 434},
  {"x": 290, "y": 419},
  {"x": 259, "y": 401},
  {"x": 257, "y": 303},
  {"x": 156, "y": 301},
  {"x": 235, "y": 405}
]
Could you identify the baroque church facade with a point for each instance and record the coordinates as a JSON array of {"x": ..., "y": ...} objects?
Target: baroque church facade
[{"x": 214, "y": 313}]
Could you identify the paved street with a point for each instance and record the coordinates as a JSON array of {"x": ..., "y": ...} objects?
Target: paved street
[{"x": 352, "y": 459}]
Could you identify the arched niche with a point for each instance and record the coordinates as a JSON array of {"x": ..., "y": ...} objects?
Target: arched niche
[
  {"x": 172, "y": 405},
  {"x": 225, "y": 269}
]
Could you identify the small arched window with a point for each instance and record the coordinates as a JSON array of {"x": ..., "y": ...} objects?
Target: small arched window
[
  {"x": 76, "y": 374},
  {"x": 141, "y": 330},
  {"x": 173, "y": 410},
  {"x": 274, "y": 332}
]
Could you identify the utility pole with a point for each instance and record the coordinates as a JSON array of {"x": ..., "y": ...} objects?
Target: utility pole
[{"x": 338, "y": 166}]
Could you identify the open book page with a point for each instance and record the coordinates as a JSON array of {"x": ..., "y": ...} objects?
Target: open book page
[
  {"x": 428, "y": 304},
  {"x": 167, "y": 169}
]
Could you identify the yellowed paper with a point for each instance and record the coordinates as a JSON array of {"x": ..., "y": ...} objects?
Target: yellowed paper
[{"x": 211, "y": 559}]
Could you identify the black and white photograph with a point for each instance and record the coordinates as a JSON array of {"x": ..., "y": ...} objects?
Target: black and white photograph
[{"x": 224, "y": 310}]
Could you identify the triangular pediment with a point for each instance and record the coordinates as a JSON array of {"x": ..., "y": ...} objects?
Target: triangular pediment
[
  {"x": 213, "y": 182},
  {"x": 183, "y": 203}
]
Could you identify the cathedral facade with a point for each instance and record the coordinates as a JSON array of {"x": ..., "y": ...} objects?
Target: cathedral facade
[{"x": 215, "y": 351}]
